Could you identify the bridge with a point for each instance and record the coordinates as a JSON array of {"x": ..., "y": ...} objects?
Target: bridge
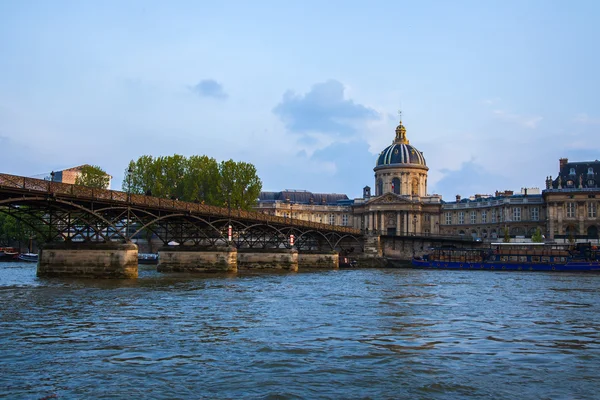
[{"x": 64, "y": 216}]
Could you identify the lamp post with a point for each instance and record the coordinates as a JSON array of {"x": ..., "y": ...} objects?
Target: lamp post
[
  {"x": 129, "y": 172},
  {"x": 414, "y": 225},
  {"x": 50, "y": 186}
]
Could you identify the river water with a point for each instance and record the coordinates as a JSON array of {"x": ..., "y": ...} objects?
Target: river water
[{"x": 351, "y": 334}]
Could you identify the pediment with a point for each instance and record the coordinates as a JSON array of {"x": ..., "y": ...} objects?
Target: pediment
[{"x": 390, "y": 198}]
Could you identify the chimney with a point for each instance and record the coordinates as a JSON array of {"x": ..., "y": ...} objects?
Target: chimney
[
  {"x": 561, "y": 163},
  {"x": 457, "y": 198}
]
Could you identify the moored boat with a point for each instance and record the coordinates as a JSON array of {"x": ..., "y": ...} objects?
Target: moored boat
[
  {"x": 29, "y": 257},
  {"x": 515, "y": 257},
  {"x": 147, "y": 258},
  {"x": 8, "y": 254}
]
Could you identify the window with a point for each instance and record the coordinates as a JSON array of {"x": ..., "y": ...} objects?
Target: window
[
  {"x": 461, "y": 217},
  {"x": 493, "y": 216},
  {"x": 535, "y": 214},
  {"x": 448, "y": 218},
  {"x": 592, "y": 210},
  {"x": 516, "y": 213},
  {"x": 570, "y": 210},
  {"x": 484, "y": 217},
  {"x": 572, "y": 171},
  {"x": 473, "y": 217},
  {"x": 501, "y": 215},
  {"x": 396, "y": 185},
  {"x": 590, "y": 171},
  {"x": 331, "y": 219},
  {"x": 345, "y": 219},
  {"x": 379, "y": 190}
]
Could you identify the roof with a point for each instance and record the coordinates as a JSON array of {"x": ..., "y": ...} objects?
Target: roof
[
  {"x": 303, "y": 197},
  {"x": 582, "y": 174}
]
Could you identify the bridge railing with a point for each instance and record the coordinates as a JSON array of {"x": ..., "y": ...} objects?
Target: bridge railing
[{"x": 45, "y": 187}]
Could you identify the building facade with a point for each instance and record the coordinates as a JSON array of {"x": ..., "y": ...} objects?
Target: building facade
[
  {"x": 572, "y": 200},
  {"x": 491, "y": 218},
  {"x": 70, "y": 175}
]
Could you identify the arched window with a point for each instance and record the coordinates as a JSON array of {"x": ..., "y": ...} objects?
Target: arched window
[
  {"x": 572, "y": 171},
  {"x": 379, "y": 187},
  {"x": 396, "y": 185},
  {"x": 592, "y": 232},
  {"x": 590, "y": 171}
]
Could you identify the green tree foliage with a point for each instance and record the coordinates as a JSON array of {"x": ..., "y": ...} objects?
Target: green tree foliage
[
  {"x": 240, "y": 186},
  {"x": 93, "y": 176},
  {"x": 197, "y": 178},
  {"x": 15, "y": 229},
  {"x": 506, "y": 236},
  {"x": 537, "y": 236}
]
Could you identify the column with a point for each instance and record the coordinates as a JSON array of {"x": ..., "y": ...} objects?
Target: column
[
  {"x": 559, "y": 211},
  {"x": 398, "y": 224},
  {"x": 382, "y": 219},
  {"x": 550, "y": 217}
]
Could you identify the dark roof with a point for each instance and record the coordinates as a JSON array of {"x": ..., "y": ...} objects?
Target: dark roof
[
  {"x": 491, "y": 198},
  {"x": 400, "y": 153},
  {"x": 303, "y": 197},
  {"x": 585, "y": 174}
]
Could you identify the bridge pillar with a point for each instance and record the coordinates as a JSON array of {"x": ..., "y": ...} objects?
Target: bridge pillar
[
  {"x": 197, "y": 259},
  {"x": 88, "y": 260},
  {"x": 285, "y": 259},
  {"x": 314, "y": 259}
]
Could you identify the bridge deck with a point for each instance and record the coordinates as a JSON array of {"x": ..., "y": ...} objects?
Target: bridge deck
[{"x": 13, "y": 185}]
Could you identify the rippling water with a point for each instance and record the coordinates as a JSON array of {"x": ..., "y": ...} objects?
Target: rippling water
[{"x": 390, "y": 333}]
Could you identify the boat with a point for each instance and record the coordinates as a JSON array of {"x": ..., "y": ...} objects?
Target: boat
[
  {"x": 29, "y": 257},
  {"x": 8, "y": 254},
  {"x": 147, "y": 258},
  {"x": 514, "y": 257}
]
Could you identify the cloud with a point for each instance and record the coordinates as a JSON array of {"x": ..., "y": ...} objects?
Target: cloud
[
  {"x": 210, "y": 88},
  {"x": 585, "y": 119},
  {"x": 323, "y": 109},
  {"x": 479, "y": 181},
  {"x": 528, "y": 121}
]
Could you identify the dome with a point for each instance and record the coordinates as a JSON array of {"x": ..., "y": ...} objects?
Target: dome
[{"x": 400, "y": 152}]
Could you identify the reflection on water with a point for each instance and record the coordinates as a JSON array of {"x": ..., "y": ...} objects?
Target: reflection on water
[{"x": 333, "y": 334}]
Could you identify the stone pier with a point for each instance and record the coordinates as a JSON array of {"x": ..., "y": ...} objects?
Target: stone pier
[
  {"x": 88, "y": 260},
  {"x": 197, "y": 259},
  {"x": 314, "y": 259},
  {"x": 282, "y": 259}
]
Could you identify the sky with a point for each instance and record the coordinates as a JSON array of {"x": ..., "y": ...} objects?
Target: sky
[{"x": 492, "y": 92}]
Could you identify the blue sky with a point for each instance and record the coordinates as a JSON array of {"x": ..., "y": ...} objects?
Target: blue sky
[{"x": 492, "y": 92}]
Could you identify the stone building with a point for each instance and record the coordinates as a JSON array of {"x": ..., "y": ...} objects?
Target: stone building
[
  {"x": 401, "y": 205},
  {"x": 326, "y": 208},
  {"x": 572, "y": 201},
  {"x": 487, "y": 217}
]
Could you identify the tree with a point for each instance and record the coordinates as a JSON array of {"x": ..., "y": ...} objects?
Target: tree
[
  {"x": 16, "y": 228},
  {"x": 506, "y": 235},
  {"x": 197, "y": 178},
  {"x": 537, "y": 236},
  {"x": 202, "y": 180},
  {"x": 240, "y": 185},
  {"x": 93, "y": 176}
]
